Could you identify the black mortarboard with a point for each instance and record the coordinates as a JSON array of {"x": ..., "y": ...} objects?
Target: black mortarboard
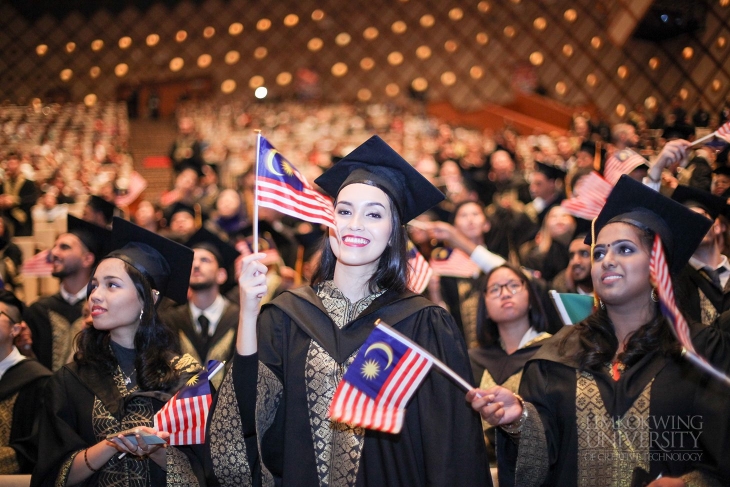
[
  {"x": 588, "y": 146},
  {"x": 164, "y": 263},
  {"x": 550, "y": 171},
  {"x": 224, "y": 252},
  {"x": 95, "y": 238},
  {"x": 697, "y": 198},
  {"x": 103, "y": 206},
  {"x": 680, "y": 228},
  {"x": 180, "y": 207},
  {"x": 376, "y": 163}
]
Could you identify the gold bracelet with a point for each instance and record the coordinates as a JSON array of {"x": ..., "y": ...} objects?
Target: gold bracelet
[
  {"x": 515, "y": 428},
  {"x": 88, "y": 465}
]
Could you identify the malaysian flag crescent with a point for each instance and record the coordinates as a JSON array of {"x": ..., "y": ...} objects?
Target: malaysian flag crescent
[{"x": 281, "y": 187}]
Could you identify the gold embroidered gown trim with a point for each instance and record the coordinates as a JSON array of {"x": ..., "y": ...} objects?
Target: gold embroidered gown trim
[
  {"x": 227, "y": 446},
  {"x": 609, "y": 448},
  {"x": 8, "y": 460},
  {"x": 63, "y": 334},
  {"x": 468, "y": 299},
  {"x": 337, "y": 446}
]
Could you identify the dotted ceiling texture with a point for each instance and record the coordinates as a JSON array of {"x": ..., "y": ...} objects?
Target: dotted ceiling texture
[{"x": 466, "y": 52}]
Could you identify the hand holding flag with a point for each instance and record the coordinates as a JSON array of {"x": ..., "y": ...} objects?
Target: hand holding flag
[
  {"x": 185, "y": 415},
  {"x": 420, "y": 272},
  {"x": 385, "y": 374}
]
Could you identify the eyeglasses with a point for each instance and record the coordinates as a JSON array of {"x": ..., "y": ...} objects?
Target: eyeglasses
[
  {"x": 12, "y": 321},
  {"x": 495, "y": 291}
]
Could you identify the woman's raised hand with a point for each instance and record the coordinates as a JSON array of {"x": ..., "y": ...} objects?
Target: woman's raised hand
[
  {"x": 252, "y": 288},
  {"x": 497, "y": 405}
]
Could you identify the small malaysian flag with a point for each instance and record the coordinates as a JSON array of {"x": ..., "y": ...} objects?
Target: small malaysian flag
[
  {"x": 589, "y": 196},
  {"x": 621, "y": 162},
  {"x": 39, "y": 265},
  {"x": 661, "y": 278},
  {"x": 184, "y": 416},
  {"x": 281, "y": 187},
  {"x": 419, "y": 272},
  {"x": 724, "y": 132},
  {"x": 385, "y": 374},
  {"x": 449, "y": 262}
]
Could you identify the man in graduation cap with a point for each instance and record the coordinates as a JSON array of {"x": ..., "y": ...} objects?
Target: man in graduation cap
[
  {"x": 207, "y": 324},
  {"x": 182, "y": 220},
  {"x": 55, "y": 320},
  {"x": 99, "y": 211},
  {"x": 703, "y": 286}
]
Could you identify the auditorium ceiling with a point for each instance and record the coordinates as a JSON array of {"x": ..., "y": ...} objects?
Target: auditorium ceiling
[{"x": 580, "y": 52}]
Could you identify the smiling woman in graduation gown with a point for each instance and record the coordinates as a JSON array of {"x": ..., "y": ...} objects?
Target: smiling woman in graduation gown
[
  {"x": 594, "y": 414},
  {"x": 270, "y": 424}
]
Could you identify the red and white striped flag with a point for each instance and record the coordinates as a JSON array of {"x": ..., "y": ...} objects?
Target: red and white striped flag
[
  {"x": 39, "y": 265},
  {"x": 724, "y": 131},
  {"x": 589, "y": 196},
  {"x": 281, "y": 187},
  {"x": 659, "y": 271},
  {"x": 621, "y": 162},
  {"x": 376, "y": 387},
  {"x": 420, "y": 272},
  {"x": 453, "y": 263},
  {"x": 184, "y": 416}
]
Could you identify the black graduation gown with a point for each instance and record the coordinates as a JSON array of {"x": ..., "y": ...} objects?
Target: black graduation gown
[
  {"x": 53, "y": 323},
  {"x": 500, "y": 365},
  {"x": 220, "y": 346},
  {"x": 716, "y": 309},
  {"x": 440, "y": 443},
  {"x": 84, "y": 405},
  {"x": 682, "y": 402},
  {"x": 21, "y": 397}
]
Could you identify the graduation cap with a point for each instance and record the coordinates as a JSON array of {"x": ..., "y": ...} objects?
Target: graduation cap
[
  {"x": 100, "y": 205},
  {"x": 376, "y": 163},
  {"x": 223, "y": 252},
  {"x": 180, "y": 207},
  {"x": 680, "y": 228},
  {"x": 94, "y": 237},
  {"x": 550, "y": 171},
  {"x": 713, "y": 205},
  {"x": 165, "y": 264}
]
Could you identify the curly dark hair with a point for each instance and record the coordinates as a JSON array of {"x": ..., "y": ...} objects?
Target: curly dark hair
[
  {"x": 597, "y": 335},
  {"x": 155, "y": 343},
  {"x": 393, "y": 268},
  {"x": 487, "y": 330}
]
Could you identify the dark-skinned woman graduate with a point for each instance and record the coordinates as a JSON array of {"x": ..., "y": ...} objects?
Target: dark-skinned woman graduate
[
  {"x": 270, "y": 425},
  {"x": 612, "y": 401}
]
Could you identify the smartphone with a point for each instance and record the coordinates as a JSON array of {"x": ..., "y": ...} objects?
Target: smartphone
[{"x": 130, "y": 435}]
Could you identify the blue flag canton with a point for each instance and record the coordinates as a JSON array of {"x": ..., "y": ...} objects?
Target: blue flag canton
[
  {"x": 411, "y": 250},
  {"x": 441, "y": 253},
  {"x": 273, "y": 165},
  {"x": 375, "y": 363},
  {"x": 199, "y": 384}
]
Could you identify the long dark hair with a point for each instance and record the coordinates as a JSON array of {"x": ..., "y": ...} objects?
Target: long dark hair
[
  {"x": 154, "y": 342},
  {"x": 393, "y": 269},
  {"x": 487, "y": 330},
  {"x": 597, "y": 335}
]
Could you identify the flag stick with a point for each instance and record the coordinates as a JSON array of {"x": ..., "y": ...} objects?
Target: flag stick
[
  {"x": 256, "y": 195},
  {"x": 442, "y": 367},
  {"x": 706, "y": 367},
  {"x": 702, "y": 139}
]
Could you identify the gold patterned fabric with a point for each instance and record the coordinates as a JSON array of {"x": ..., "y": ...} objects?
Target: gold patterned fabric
[
  {"x": 227, "y": 447},
  {"x": 609, "y": 448},
  {"x": 179, "y": 471},
  {"x": 707, "y": 309},
  {"x": 468, "y": 301},
  {"x": 8, "y": 460},
  {"x": 532, "y": 460},
  {"x": 337, "y": 446},
  {"x": 63, "y": 338},
  {"x": 699, "y": 479},
  {"x": 269, "y": 391}
]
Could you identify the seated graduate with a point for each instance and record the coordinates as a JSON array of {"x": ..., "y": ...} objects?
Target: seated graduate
[
  {"x": 612, "y": 399},
  {"x": 270, "y": 423},
  {"x": 207, "y": 323},
  {"x": 22, "y": 382},
  {"x": 126, "y": 367},
  {"x": 511, "y": 327}
]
